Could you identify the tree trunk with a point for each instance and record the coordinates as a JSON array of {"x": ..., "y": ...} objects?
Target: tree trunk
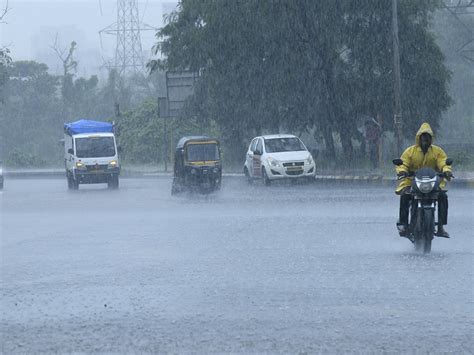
[
  {"x": 346, "y": 142},
  {"x": 329, "y": 140},
  {"x": 335, "y": 113}
]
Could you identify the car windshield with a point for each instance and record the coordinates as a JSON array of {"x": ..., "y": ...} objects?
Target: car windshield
[
  {"x": 201, "y": 152},
  {"x": 276, "y": 145},
  {"x": 95, "y": 147}
]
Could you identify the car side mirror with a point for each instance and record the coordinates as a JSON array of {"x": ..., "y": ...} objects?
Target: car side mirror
[
  {"x": 119, "y": 149},
  {"x": 449, "y": 161},
  {"x": 70, "y": 151},
  {"x": 397, "y": 162}
]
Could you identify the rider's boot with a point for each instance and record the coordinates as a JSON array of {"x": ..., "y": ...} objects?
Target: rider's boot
[
  {"x": 402, "y": 230},
  {"x": 441, "y": 232}
]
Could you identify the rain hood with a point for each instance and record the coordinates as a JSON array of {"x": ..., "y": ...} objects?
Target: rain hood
[{"x": 424, "y": 128}]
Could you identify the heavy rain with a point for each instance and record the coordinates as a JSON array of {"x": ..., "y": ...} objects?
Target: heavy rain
[{"x": 231, "y": 176}]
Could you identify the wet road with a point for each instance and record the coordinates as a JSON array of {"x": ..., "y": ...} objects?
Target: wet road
[{"x": 315, "y": 268}]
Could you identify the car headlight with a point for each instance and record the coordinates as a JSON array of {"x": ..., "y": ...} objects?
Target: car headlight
[
  {"x": 80, "y": 165},
  {"x": 425, "y": 187},
  {"x": 193, "y": 171},
  {"x": 309, "y": 161},
  {"x": 273, "y": 162},
  {"x": 113, "y": 164},
  {"x": 215, "y": 170}
]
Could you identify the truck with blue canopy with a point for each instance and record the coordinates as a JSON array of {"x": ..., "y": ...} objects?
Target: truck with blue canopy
[{"x": 90, "y": 154}]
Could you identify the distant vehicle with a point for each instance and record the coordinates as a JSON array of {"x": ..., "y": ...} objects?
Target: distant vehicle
[
  {"x": 280, "y": 156},
  {"x": 1, "y": 176},
  {"x": 197, "y": 165},
  {"x": 90, "y": 154}
]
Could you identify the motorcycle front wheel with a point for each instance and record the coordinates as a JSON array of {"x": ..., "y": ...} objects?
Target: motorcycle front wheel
[
  {"x": 424, "y": 234},
  {"x": 428, "y": 229}
]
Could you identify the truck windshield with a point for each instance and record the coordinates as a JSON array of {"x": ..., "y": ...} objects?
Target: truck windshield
[
  {"x": 277, "y": 145},
  {"x": 95, "y": 147},
  {"x": 201, "y": 152}
]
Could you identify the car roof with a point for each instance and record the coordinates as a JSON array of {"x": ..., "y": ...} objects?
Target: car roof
[{"x": 273, "y": 136}]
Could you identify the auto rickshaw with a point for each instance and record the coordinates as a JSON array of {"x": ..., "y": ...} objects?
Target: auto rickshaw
[{"x": 197, "y": 165}]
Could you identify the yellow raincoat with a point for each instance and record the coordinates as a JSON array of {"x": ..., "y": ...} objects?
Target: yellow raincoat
[{"x": 414, "y": 158}]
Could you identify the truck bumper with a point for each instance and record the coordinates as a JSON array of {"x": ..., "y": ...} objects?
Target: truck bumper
[{"x": 95, "y": 177}]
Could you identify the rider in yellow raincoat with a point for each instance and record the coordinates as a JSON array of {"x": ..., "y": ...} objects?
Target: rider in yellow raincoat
[{"x": 422, "y": 154}]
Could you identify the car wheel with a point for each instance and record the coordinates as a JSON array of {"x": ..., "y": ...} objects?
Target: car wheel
[
  {"x": 266, "y": 180},
  {"x": 247, "y": 176}
]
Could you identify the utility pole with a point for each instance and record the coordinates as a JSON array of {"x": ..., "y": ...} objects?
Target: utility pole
[
  {"x": 163, "y": 113},
  {"x": 397, "y": 117}
]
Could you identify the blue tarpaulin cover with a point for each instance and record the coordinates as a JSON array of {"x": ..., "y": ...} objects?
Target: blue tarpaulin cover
[{"x": 87, "y": 126}]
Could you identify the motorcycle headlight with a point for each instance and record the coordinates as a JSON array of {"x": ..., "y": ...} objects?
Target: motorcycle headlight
[
  {"x": 426, "y": 186},
  {"x": 309, "y": 161},
  {"x": 273, "y": 162}
]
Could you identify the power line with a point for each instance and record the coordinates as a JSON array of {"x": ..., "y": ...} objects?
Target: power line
[{"x": 463, "y": 8}]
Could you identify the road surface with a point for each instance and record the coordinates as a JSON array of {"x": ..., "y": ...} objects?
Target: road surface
[{"x": 289, "y": 268}]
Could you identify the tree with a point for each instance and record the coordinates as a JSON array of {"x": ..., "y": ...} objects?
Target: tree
[
  {"x": 5, "y": 58},
  {"x": 3, "y": 11},
  {"x": 30, "y": 119},
  {"x": 304, "y": 65},
  {"x": 452, "y": 34}
]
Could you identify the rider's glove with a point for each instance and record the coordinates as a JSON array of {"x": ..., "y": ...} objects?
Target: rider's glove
[{"x": 448, "y": 175}]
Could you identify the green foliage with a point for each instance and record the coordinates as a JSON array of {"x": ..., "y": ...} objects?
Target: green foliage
[
  {"x": 452, "y": 36},
  {"x": 299, "y": 66},
  {"x": 34, "y": 107},
  {"x": 19, "y": 158},
  {"x": 30, "y": 116},
  {"x": 140, "y": 134},
  {"x": 5, "y": 60}
]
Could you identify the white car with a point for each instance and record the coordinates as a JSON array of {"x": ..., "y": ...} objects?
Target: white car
[{"x": 279, "y": 156}]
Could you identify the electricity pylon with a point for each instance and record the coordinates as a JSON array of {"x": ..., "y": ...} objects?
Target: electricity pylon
[{"x": 128, "y": 50}]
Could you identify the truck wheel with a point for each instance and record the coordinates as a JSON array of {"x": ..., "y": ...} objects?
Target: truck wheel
[
  {"x": 113, "y": 182},
  {"x": 70, "y": 182}
]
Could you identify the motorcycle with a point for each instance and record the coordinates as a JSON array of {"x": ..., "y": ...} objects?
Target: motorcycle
[{"x": 424, "y": 193}]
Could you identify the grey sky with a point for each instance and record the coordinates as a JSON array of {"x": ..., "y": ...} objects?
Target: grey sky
[{"x": 31, "y": 26}]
